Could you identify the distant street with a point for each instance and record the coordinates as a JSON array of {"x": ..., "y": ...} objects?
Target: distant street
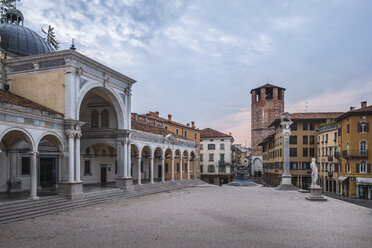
[{"x": 359, "y": 202}]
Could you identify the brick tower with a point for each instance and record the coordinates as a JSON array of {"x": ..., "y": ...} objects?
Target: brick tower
[{"x": 267, "y": 105}]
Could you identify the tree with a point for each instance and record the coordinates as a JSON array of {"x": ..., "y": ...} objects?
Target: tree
[{"x": 51, "y": 38}]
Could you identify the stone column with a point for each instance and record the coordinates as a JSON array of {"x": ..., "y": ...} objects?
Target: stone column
[
  {"x": 152, "y": 169},
  {"x": 172, "y": 168},
  {"x": 129, "y": 160},
  {"x": 195, "y": 169},
  {"x": 125, "y": 159},
  {"x": 286, "y": 183},
  {"x": 33, "y": 193},
  {"x": 162, "y": 169},
  {"x": 77, "y": 157},
  {"x": 188, "y": 168},
  {"x": 70, "y": 136},
  {"x": 139, "y": 170},
  {"x": 181, "y": 166}
]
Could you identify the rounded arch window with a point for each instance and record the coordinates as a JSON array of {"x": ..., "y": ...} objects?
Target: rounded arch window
[
  {"x": 363, "y": 167},
  {"x": 363, "y": 148},
  {"x": 105, "y": 118}
]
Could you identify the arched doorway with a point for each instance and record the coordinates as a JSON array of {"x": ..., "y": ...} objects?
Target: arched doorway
[
  {"x": 134, "y": 162},
  {"x": 185, "y": 165},
  {"x": 168, "y": 165},
  {"x": 158, "y": 167},
  {"x": 193, "y": 165},
  {"x": 177, "y": 164},
  {"x": 49, "y": 148},
  {"x": 144, "y": 165}
]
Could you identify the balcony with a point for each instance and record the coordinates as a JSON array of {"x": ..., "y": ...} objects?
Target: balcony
[
  {"x": 337, "y": 155},
  {"x": 354, "y": 154},
  {"x": 330, "y": 174}
]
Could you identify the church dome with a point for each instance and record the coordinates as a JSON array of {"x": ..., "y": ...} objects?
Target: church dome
[{"x": 18, "y": 40}]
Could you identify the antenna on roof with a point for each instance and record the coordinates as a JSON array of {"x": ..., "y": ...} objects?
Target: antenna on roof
[
  {"x": 267, "y": 78},
  {"x": 72, "y": 47}
]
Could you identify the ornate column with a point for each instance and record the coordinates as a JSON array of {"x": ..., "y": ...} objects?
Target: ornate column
[
  {"x": 286, "y": 183},
  {"x": 77, "y": 156},
  {"x": 188, "y": 168},
  {"x": 129, "y": 160},
  {"x": 195, "y": 168},
  {"x": 162, "y": 169},
  {"x": 33, "y": 194},
  {"x": 70, "y": 134},
  {"x": 152, "y": 169},
  {"x": 125, "y": 158},
  {"x": 139, "y": 170},
  {"x": 124, "y": 179},
  {"x": 172, "y": 168}
]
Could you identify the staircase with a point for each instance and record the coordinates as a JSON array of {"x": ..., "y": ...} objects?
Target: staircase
[{"x": 25, "y": 209}]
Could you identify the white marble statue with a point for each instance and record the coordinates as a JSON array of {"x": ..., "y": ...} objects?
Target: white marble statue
[{"x": 314, "y": 173}]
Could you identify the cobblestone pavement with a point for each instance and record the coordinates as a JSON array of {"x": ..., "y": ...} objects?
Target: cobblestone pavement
[
  {"x": 207, "y": 216},
  {"x": 359, "y": 202}
]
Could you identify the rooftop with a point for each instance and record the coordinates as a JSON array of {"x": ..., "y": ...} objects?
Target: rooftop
[
  {"x": 211, "y": 133},
  {"x": 267, "y": 86},
  {"x": 310, "y": 116},
  {"x": 363, "y": 110},
  {"x": 11, "y": 98}
]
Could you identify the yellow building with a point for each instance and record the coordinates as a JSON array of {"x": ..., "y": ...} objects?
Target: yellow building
[
  {"x": 189, "y": 132},
  {"x": 354, "y": 137},
  {"x": 329, "y": 168},
  {"x": 302, "y": 148}
]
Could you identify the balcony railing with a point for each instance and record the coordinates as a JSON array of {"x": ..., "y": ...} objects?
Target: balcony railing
[
  {"x": 337, "y": 155},
  {"x": 355, "y": 153}
]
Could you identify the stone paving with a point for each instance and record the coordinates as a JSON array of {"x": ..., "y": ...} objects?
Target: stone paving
[{"x": 205, "y": 216}]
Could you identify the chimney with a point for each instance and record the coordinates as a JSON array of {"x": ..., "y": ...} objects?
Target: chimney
[
  {"x": 169, "y": 117},
  {"x": 188, "y": 124},
  {"x": 363, "y": 104},
  {"x": 193, "y": 124},
  {"x": 352, "y": 108},
  {"x": 157, "y": 113}
]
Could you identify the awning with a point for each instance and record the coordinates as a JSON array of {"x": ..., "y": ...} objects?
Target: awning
[
  {"x": 341, "y": 178},
  {"x": 364, "y": 180}
]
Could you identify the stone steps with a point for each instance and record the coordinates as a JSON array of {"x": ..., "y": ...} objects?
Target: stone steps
[{"x": 25, "y": 209}]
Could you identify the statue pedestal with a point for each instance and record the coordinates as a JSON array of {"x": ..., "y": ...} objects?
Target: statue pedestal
[
  {"x": 315, "y": 194},
  {"x": 286, "y": 184}
]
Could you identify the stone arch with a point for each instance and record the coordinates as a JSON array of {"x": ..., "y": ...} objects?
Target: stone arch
[
  {"x": 53, "y": 138},
  {"x": 14, "y": 135},
  {"x": 110, "y": 95}
]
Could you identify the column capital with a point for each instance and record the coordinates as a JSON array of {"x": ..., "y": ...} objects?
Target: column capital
[
  {"x": 33, "y": 153},
  {"x": 70, "y": 133},
  {"x": 139, "y": 157},
  {"x": 78, "y": 134}
]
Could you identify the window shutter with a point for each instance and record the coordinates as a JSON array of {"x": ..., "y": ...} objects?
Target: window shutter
[
  {"x": 359, "y": 128},
  {"x": 367, "y": 127},
  {"x": 357, "y": 168},
  {"x": 368, "y": 168},
  {"x": 340, "y": 167}
]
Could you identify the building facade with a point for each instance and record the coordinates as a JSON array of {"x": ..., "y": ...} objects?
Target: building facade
[
  {"x": 354, "y": 138},
  {"x": 302, "y": 148},
  {"x": 267, "y": 105},
  {"x": 216, "y": 156}
]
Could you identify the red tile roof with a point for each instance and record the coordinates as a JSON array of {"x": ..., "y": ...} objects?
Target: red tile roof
[
  {"x": 366, "y": 110},
  {"x": 11, "y": 98},
  {"x": 311, "y": 116},
  {"x": 211, "y": 133},
  {"x": 140, "y": 126},
  {"x": 267, "y": 86}
]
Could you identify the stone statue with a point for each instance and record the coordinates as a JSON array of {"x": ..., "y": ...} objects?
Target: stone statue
[{"x": 314, "y": 173}]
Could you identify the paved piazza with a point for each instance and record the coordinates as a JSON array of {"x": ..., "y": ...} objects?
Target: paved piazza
[{"x": 205, "y": 216}]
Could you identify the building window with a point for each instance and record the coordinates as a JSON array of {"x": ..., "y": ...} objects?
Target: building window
[
  {"x": 26, "y": 166},
  {"x": 176, "y": 130},
  {"x": 166, "y": 168},
  {"x": 306, "y": 165},
  {"x": 326, "y": 140},
  {"x": 201, "y": 157},
  {"x": 87, "y": 171},
  {"x": 196, "y": 135},
  {"x": 335, "y": 136},
  {"x": 348, "y": 128},
  {"x": 363, "y": 127},
  {"x": 222, "y": 146},
  {"x": 293, "y": 152},
  {"x": 186, "y": 169},
  {"x": 94, "y": 119},
  {"x": 294, "y": 126},
  {"x": 211, "y": 157},
  {"x": 305, "y": 139},
  {"x": 105, "y": 118},
  {"x": 293, "y": 166},
  {"x": 293, "y": 140},
  {"x": 222, "y": 158},
  {"x": 347, "y": 167},
  {"x": 178, "y": 167},
  {"x": 201, "y": 146},
  {"x": 339, "y": 132},
  {"x": 211, "y": 146},
  {"x": 312, "y": 152},
  {"x": 363, "y": 167},
  {"x": 166, "y": 127},
  {"x": 363, "y": 148},
  {"x": 185, "y": 133},
  {"x": 305, "y": 126},
  {"x": 311, "y": 126},
  {"x": 304, "y": 152},
  {"x": 201, "y": 169},
  {"x": 211, "y": 168},
  {"x": 312, "y": 139},
  {"x": 222, "y": 168}
]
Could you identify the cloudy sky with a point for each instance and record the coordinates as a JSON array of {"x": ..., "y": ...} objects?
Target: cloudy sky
[{"x": 198, "y": 59}]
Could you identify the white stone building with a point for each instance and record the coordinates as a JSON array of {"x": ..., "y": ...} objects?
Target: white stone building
[{"x": 216, "y": 156}]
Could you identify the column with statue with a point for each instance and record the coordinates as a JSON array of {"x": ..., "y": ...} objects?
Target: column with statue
[{"x": 315, "y": 190}]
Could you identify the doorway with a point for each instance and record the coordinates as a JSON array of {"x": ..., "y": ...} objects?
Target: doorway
[
  {"x": 48, "y": 172},
  {"x": 159, "y": 172},
  {"x": 103, "y": 173}
]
